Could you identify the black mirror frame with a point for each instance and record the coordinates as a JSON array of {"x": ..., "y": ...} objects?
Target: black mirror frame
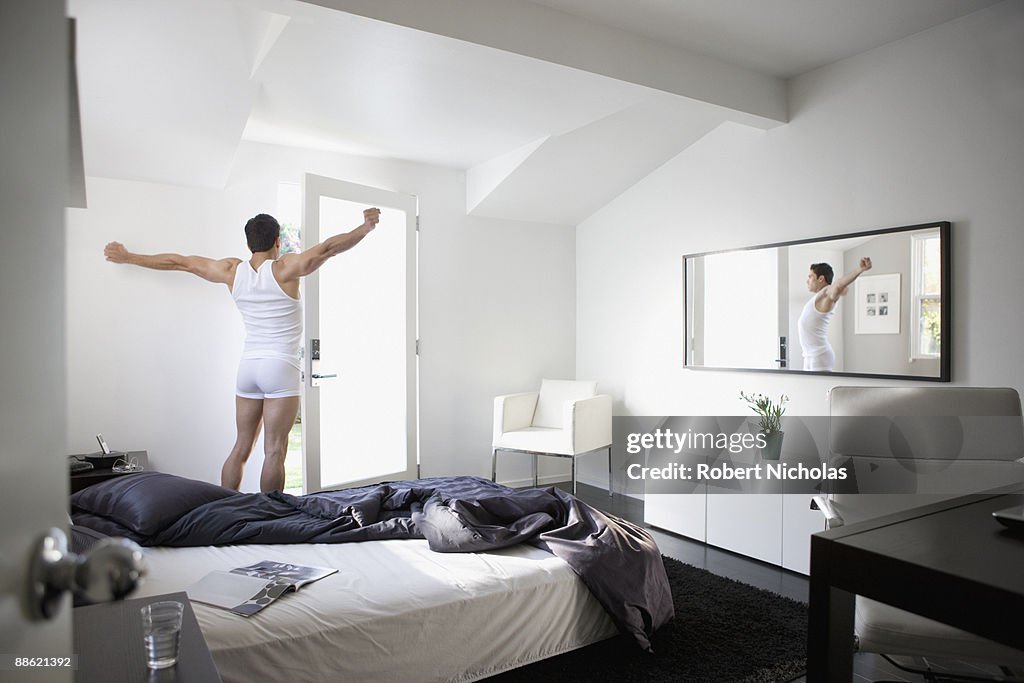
[{"x": 946, "y": 307}]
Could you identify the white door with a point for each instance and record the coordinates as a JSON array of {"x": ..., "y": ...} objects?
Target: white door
[
  {"x": 741, "y": 320},
  {"x": 33, "y": 474},
  {"x": 359, "y": 407}
]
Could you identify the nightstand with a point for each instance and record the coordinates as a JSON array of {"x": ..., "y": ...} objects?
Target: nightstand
[
  {"x": 79, "y": 480},
  {"x": 108, "y": 642}
]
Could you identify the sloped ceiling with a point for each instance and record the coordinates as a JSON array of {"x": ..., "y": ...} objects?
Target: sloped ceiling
[
  {"x": 551, "y": 107},
  {"x": 607, "y": 155},
  {"x": 782, "y": 38},
  {"x": 164, "y": 88}
]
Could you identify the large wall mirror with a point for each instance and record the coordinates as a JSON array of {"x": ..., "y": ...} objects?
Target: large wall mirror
[{"x": 748, "y": 309}]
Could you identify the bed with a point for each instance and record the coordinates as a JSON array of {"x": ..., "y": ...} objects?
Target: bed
[{"x": 455, "y": 579}]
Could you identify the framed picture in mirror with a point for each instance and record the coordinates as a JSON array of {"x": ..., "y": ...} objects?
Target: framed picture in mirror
[{"x": 877, "y": 304}]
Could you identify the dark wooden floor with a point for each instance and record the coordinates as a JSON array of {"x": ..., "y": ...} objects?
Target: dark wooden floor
[{"x": 867, "y": 666}]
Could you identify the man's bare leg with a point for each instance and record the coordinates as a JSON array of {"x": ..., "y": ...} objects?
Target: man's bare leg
[
  {"x": 248, "y": 416},
  {"x": 278, "y": 418}
]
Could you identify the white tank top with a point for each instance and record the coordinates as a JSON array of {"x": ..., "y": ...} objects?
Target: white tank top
[
  {"x": 273, "y": 320},
  {"x": 813, "y": 328}
]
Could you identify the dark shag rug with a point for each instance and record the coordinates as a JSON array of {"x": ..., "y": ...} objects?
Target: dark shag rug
[{"x": 724, "y": 631}]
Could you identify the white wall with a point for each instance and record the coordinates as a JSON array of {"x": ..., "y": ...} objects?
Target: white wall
[
  {"x": 927, "y": 128},
  {"x": 152, "y": 356}
]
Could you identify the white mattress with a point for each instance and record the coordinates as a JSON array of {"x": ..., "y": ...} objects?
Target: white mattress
[{"x": 395, "y": 611}]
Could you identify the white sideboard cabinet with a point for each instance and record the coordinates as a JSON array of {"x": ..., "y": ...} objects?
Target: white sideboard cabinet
[{"x": 767, "y": 520}]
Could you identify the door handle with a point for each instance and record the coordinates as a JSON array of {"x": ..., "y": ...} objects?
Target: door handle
[
  {"x": 110, "y": 570},
  {"x": 314, "y": 363}
]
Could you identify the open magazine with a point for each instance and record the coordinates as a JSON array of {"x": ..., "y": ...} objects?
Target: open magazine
[{"x": 247, "y": 590}]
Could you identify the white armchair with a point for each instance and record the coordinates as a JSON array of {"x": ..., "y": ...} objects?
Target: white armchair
[{"x": 565, "y": 419}]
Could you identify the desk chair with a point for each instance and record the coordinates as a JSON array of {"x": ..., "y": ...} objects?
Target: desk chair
[
  {"x": 940, "y": 442},
  {"x": 565, "y": 419}
]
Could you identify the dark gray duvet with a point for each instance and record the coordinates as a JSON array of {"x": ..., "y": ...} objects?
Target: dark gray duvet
[{"x": 618, "y": 561}]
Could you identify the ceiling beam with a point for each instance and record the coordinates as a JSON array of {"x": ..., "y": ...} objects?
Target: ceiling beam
[
  {"x": 553, "y": 36},
  {"x": 565, "y": 178}
]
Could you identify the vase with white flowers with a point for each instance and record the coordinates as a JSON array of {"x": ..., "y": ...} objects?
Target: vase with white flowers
[{"x": 770, "y": 413}]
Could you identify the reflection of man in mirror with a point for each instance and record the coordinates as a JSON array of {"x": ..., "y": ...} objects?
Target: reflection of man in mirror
[{"x": 818, "y": 311}]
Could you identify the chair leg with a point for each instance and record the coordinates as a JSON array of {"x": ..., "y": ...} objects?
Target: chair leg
[
  {"x": 534, "y": 470},
  {"x": 494, "y": 465},
  {"x": 609, "y": 471},
  {"x": 573, "y": 475}
]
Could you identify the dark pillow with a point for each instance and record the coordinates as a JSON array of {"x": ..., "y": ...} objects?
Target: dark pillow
[
  {"x": 83, "y": 538},
  {"x": 147, "y": 502},
  {"x": 95, "y": 524}
]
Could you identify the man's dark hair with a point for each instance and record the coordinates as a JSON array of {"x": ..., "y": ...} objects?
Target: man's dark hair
[
  {"x": 823, "y": 269},
  {"x": 261, "y": 232}
]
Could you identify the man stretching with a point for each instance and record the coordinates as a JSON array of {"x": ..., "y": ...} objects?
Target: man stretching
[
  {"x": 266, "y": 290},
  {"x": 818, "y": 311}
]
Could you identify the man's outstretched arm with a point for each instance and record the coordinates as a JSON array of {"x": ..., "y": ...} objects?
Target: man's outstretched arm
[
  {"x": 294, "y": 266},
  {"x": 215, "y": 270},
  {"x": 839, "y": 287}
]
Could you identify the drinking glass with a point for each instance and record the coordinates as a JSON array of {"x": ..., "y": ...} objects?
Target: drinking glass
[{"x": 161, "y": 630}]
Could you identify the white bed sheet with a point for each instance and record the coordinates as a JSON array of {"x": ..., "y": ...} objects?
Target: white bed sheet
[{"x": 395, "y": 611}]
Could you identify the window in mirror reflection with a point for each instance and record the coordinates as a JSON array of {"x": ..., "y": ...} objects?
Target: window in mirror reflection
[{"x": 927, "y": 289}]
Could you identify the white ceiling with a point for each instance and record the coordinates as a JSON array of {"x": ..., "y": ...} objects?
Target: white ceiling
[
  {"x": 170, "y": 88},
  {"x": 782, "y": 38},
  {"x": 384, "y": 90}
]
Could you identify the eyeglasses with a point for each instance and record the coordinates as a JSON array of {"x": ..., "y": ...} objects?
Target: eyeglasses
[{"x": 127, "y": 465}]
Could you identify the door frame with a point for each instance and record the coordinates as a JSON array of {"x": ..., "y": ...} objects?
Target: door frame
[{"x": 314, "y": 186}]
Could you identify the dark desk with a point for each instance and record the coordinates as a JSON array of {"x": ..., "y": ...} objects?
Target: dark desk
[
  {"x": 108, "y": 641},
  {"x": 949, "y": 561}
]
